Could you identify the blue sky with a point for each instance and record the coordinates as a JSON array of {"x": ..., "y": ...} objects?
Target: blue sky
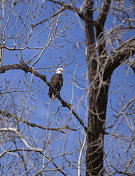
[{"x": 70, "y": 47}]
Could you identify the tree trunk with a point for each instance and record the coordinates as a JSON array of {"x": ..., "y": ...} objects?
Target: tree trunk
[
  {"x": 99, "y": 84},
  {"x": 95, "y": 135}
]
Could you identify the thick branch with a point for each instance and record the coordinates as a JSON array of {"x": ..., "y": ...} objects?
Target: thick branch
[
  {"x": 132, "y": 65},
  {"x": 76, "y": 10},
  {"x": 66, "y": 6},
  {"x": 90, "y": 39},
  {"x": 7, "y": 114},
  {"x": 22, "y": 66},
  {"x": 26, "y": 68},
  {"x": 14, "y": 130},
  {"x": 120, "y": 55},
  {"x": 101, "y": 19},
  {"x": 104, "y": 12}
]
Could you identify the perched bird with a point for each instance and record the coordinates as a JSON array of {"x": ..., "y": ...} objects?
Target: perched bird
[{"x": 57, "y": 83}]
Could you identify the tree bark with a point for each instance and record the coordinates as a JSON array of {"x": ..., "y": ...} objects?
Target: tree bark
[
  {"x": 100, "y": 68},
  {"x": 95, "y": 135},
  {"x": 99, "y": 86}
]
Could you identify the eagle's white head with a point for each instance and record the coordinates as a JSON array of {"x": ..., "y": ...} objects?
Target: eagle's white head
[{"x": 59, "y": 70}]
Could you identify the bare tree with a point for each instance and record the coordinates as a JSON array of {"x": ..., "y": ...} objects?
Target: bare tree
[{"x": 102, "y": 142}]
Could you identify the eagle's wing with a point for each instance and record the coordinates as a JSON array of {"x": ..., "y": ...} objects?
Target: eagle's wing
[{"x": 56, "y": 82}]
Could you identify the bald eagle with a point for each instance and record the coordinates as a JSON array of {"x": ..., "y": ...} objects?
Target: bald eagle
[{"x": 57, "y": 83}]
